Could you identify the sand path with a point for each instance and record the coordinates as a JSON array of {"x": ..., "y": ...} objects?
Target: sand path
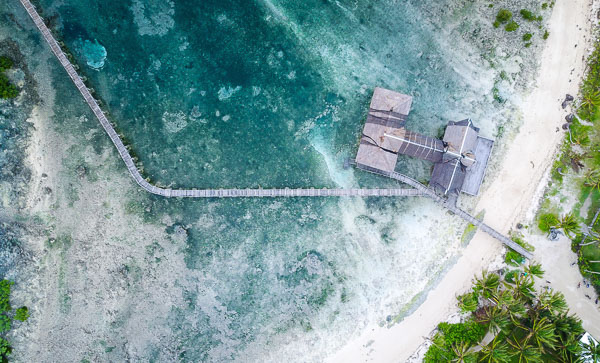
[{"x": 510, "y": 194}]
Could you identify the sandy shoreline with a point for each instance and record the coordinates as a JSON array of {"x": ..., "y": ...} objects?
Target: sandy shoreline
[{"x": 509, "y": 196}]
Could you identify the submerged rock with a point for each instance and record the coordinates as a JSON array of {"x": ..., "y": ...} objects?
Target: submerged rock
[{"x": 94, "y": 53}]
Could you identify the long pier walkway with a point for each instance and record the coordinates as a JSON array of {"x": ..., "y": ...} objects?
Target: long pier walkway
[{"x": 417, "y": 190}]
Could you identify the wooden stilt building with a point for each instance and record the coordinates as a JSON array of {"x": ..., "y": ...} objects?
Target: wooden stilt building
[{"x": 460, "y": 158}]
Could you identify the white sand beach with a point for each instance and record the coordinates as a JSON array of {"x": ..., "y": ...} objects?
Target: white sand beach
[{"x": 510, "y": 195}]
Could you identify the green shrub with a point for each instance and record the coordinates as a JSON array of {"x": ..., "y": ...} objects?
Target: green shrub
[
  {"x": 496, "y": 24},
  {"x": 7, "y": 90},
  {"x": 511, "y": 27},
  {"x": 527, "y": 36},
  {"x": 453, "y": 334},
  {"x": 469, "y": 332},
  {"x": 546, "y": 35},
  {"x": 528, "y": 15},
  {"x": 437, "y": 353},
  {"x": 503, "y": 16},
  {"x": 5, "y": 350},
  {"x": 22, "y": 313},
  {"x": 5, "y": 295},
  {"x": 5, "y": 63},
  {"x": 5, "y": 323},
  {"x": 527, "y": 45},
  {"x": 547, "y": 221},
  {"x": 544, "y": 6}
]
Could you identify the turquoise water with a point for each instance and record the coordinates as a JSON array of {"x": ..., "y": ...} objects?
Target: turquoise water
[{"x": 272, "y": 94}]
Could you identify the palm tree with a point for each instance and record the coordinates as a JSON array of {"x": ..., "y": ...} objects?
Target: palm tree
[
  {"x": 496, "y": 318},
  {"x": 524, "y": 352},
  {"x": 535, "y": 269},
  {"x": 468, "y": 302},
  {"x": 541, "y": 333},
  {"x": 463, "y": 354},
  {"x": 495, "y": 352},
  {"x": 590, "y": 351},
  {"x": 552, "y": 301},
  {"x": 592, "y": 179},
  {"x": 503, "y": 298},
  {"x": 569, "y": 225},
  {"x": 487, "y": 285},
  {"x": 516, "y": 311},
  {"x": 591, "y": 99},
  {"x": 523, "y": 288}
]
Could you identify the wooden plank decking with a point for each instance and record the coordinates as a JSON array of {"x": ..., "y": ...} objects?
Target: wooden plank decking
[{"x": 418, "y": 188}]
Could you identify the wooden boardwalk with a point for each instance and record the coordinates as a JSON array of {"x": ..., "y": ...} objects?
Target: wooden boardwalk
[{"x": 418, "y": 188}]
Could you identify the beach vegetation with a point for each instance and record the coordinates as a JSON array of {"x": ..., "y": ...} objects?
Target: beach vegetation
[
  {"x": 527, "y": 37},
  {"x": 7, "y": 318},
  {"x": 519, "y": 324}
]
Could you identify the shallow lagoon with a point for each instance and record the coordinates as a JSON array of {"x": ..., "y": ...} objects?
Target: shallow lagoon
[{"x": 270, "y": 94}]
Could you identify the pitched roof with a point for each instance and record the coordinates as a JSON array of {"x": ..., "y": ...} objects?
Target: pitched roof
[{"x": 387, "y": 116}]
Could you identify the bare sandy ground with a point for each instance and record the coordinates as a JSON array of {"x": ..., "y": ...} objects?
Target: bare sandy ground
[{"x": 509, "y": 196}]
